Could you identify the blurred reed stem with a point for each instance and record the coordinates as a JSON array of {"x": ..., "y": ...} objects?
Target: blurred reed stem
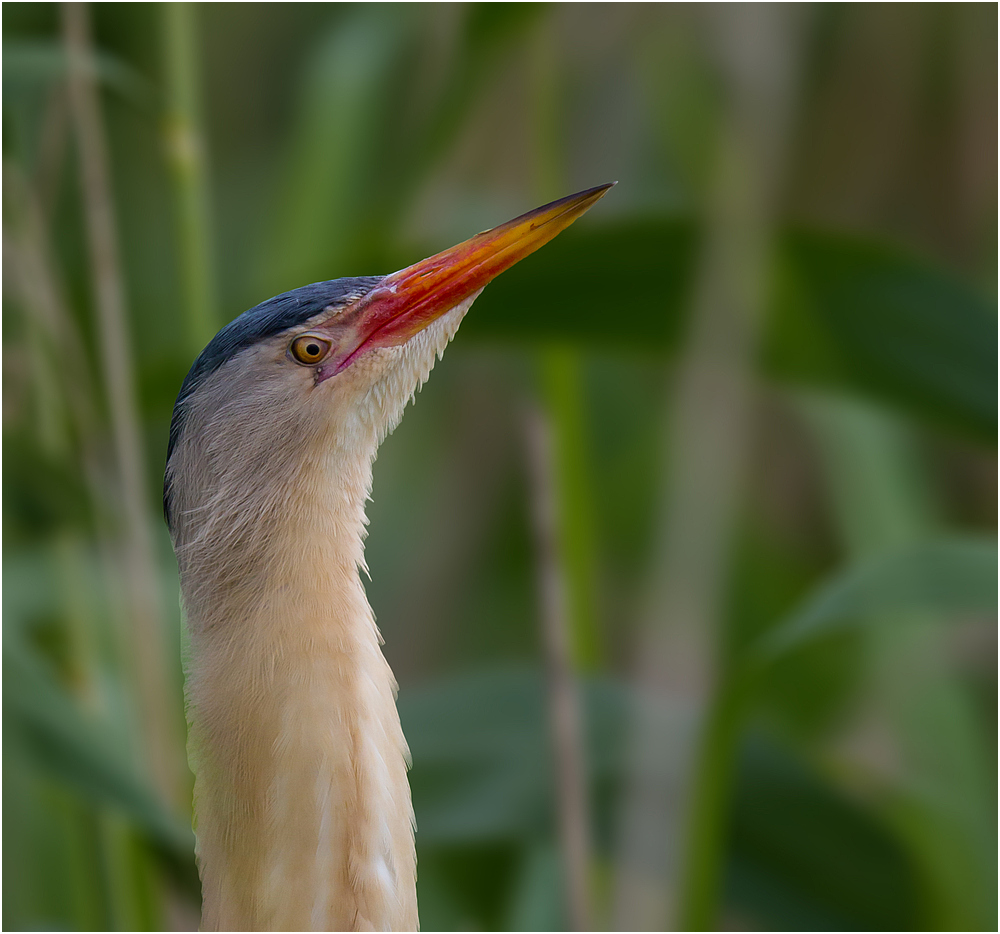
[
  {"x": 560, "y": 370},
  {"x": 564, "y": 551},
  {"x": 65, "y": 413},
  {"x": 701, "y": 875},
  {"x": 561, "y": 377},
  {"x": 564, "y": 696},
  {"x": 322, "y": 218},
  {"x": 128, "y": 871},
  {"x": 48, "y": 320},
  {"x": 66, "y": 418},
  {"x": 186, "y": 154},
  {"x": 669, "y": 863},
  {"x": 87, "y": 890},
  {"x": 160, "y": 736}
]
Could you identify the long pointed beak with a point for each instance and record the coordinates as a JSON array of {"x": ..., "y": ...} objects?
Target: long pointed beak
[{"x": 405, "y": 302}]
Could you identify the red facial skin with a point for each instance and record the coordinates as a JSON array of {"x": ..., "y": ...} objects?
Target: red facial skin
[{"x": 405, "y": 302}]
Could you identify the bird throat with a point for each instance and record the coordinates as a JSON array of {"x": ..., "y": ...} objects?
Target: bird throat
[{"x": 302, "y": 805}]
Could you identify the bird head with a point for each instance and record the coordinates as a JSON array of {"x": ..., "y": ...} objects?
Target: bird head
[{"x": 322, "y": 371}]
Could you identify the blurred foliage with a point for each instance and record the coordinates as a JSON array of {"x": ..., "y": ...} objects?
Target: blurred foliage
[{"x": 851, "y": 741}]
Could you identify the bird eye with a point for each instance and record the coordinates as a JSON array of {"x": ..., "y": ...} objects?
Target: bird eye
[{"x": 309, "y": 349}]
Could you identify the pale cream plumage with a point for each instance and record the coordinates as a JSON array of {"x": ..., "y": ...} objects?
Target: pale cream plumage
[
  {"x": 302, "y": 807},
  {"x": 302, "y": 804}
]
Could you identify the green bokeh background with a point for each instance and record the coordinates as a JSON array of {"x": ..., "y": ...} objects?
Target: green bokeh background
[{"x": 849, "y": 739}]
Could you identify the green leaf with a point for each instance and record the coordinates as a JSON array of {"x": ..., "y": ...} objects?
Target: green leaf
[
  {"x": 867, "y": 318},
  {"x": 955, "y": 575},
  {"x": 422, "y": 126},
  {"x": 848, "y": 313},
  {"x": 45, "y": 722},
  {"x": 41, "y": 62},
  {"x": 481, "y": 760},
  {"x": 537, "y": 901},
  {"x": 799, "y": 850},
  {"x": 805, "y": 857},
  {"x": 342, "y": 102},
  {"x": 614, "y": 285}
]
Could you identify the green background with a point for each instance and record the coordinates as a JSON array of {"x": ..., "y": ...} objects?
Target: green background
[{"x": 845, "y": 776}]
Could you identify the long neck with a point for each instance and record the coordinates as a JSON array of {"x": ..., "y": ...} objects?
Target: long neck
[{"x": 302, "y": 805}]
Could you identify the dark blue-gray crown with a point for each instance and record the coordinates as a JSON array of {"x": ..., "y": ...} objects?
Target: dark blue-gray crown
[{"x": 262, "y": 321}]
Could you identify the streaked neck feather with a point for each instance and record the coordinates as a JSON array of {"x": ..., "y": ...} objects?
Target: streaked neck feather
[{"x": 303, "y": 812}]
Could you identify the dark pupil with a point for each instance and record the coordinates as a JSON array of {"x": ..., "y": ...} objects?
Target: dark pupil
[{"x": 312, "y": 349}]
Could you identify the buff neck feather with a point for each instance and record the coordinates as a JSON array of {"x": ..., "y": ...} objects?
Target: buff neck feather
[{"x": 302, "y": 805}]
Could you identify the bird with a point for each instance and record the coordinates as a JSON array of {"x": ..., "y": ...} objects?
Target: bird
[{"x": 302, "y": 812}]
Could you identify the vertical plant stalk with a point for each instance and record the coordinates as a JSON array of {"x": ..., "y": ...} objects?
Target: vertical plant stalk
[
  {"x": 564, "y": 701},
  {"x": 708, "y": 429},
  {"x": 68, "y": 392},
  {"x": 561, "y": 377},
  {"x": 157, "y": 702},
  {"x": 36, "y": 280},
  {"x": 186, "y": 155},
  {"x": 564, "y": 543},
  {"x": 560, "y": 371},
  {"x": 561, "y": 381}
]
